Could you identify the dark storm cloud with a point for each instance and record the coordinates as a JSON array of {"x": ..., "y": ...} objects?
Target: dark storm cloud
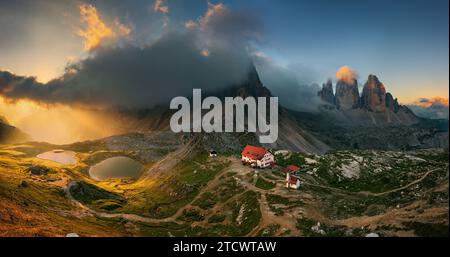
[
  {"x": 292, "y": 84},
  {"x": 210, "y": 56},
  {"x": 134, "y": 77},
  {"x": 211, "y": 53}
]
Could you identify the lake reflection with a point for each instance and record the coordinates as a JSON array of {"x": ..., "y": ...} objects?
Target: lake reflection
[
  {"x": 115, "y": 167},
  {"x": 59, "y": 156}
]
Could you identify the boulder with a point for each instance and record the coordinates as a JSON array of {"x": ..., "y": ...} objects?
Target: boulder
[{"x": 38, "y": 170}]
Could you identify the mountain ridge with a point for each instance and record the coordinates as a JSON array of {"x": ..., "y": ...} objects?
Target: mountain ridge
[{"x": 374, "y": 106}]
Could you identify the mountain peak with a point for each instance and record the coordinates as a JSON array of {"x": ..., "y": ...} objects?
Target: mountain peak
[
  {"x": 373, "y": 96},
  {"x": 347, "y": 94},
  {"x": 327, "y": 93}
]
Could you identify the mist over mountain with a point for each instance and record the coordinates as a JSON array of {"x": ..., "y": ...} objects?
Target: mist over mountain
[
  {"x": 10, "y": 134},
  {"x": 436, "y": 108},
  {"x": 211, "y": 53}
]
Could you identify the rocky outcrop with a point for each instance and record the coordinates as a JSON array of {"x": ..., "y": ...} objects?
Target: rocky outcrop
[
  {"x": 327, "y": 94},
  {"x": 347, "y": 95},
  {"x": 374, "y": 107},
  {"x": 252, "y": 86},
  {"x": 373, "y": 96},
  {"x": 391, "y": 103}
]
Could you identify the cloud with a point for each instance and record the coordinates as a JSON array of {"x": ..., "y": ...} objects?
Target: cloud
[
  {"x": 428, "y": 102},
  {"x": 96, "y": 31},
  {"x": 346, "y": 74},
  {"x": 212, "y": 58},
  {"x": 133, "y": 76},
  {"x": 293, "y": 84},
  {"x": 432, "y": 108},
  {"x": 190, "y": 24},
  {"x": 221, "y": 27},
  {"x": 213, "y": 10},
  {"x": 161, "y": 6}
]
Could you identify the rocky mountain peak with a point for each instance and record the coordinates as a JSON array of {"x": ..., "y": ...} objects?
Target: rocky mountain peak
[
  {"x": 327, "y": 94},
  {"x": 347, "y": 94},
  {"x": 373, "y": 96},
  {"x": 250, "y": 86},
  {"x": 374, "y": 106},
  {"x": 392, "y": 103}
]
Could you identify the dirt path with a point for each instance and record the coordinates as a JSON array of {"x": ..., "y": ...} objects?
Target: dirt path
[
  {"x": 134, "y": 217},
  {"x": 403, "y": 187},
  {"x": 131, "y": 217},
  {"x": 287, "y": 222},
  {"x": 268, "y": 217},
  {"x": 367, "y": 193}
]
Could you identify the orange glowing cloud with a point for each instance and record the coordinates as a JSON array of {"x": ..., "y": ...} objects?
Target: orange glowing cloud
[
  {"x": 346, "y": 74},
  {"x": 427, "y": 102},
  {"x": 213, "y": 10},
  {"x": 96, "y": 31},
  {"x": 160, "y": 6},
  {"x": 190, "y": 24},
  {"x": 203, "y": 21},
  {"x": 205, "y": 52}
]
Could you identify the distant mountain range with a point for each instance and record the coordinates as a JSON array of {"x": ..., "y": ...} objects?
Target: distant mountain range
[
  {"x": 347, "y": 120},
  {"x": 374, "y": 107}
]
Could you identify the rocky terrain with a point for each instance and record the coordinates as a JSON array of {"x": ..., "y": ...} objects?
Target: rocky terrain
[
  {"x": 374, "y": 120},
  {"x": 183, "y": 192},
  {"x": 346, "y": 120},
  {"x": 364, "y": 169}
]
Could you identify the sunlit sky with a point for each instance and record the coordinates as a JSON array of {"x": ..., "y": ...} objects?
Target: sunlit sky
[{"x": 404, "y": 42}]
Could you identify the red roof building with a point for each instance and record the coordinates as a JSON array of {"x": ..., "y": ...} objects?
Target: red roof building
[
  {"x": 254, "y": 152},
  {"x": 291, "y": 169},
  {"x": 292, "y": 181},
  {"x": 257, "y": 156}
]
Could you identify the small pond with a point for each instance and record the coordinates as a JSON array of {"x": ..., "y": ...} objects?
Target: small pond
[
  {"x": 116, "y": 167},
  {"x": 59, "y": 156}
]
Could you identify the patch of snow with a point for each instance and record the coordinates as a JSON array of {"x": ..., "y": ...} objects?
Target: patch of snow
[
  {"x": 372, "y": 235},
  {"x": 351, "y": 170},
  {"x": 414, "y": 158},
  {"x": 240, "y": 215},
  {"x": 310, "y": 161}
]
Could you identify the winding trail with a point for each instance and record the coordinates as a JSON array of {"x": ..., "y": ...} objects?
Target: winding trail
[
  {"x": 400, "y": 188},
  {"x": 367, "y": 193},
  {"x": 134, "y": 217},
  {"x": 131, "y": 217},
  {"x": 286, "y": 221}
]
